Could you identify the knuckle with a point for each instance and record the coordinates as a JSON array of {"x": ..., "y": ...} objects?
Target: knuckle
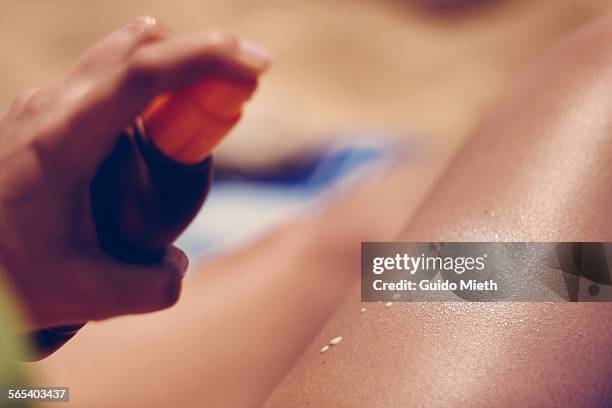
[{"x": 26, "y": 102}]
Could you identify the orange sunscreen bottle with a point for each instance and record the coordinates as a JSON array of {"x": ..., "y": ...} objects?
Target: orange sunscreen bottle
[{"x": 157, "y": 177}]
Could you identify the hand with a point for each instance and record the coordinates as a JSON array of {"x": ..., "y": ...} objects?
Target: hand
[{"x": 53, "y": 140}]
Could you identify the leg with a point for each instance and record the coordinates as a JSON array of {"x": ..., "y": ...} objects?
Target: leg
[
  {"x": 244, "y": 319},
  {"x": 538, "y": 169}
]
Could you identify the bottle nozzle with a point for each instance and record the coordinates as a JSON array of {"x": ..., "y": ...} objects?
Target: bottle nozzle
[{"x": 187, "y": 125}]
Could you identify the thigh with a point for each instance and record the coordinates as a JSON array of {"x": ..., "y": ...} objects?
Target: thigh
[{"x": 538, "y": 169}]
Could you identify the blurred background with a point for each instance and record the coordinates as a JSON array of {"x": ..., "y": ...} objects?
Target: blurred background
[{"x": 420, "y": 69}]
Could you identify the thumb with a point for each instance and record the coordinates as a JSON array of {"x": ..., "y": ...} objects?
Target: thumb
[
  {"x": 177, "y": 257},
  {"x": 111, "y": 288}
]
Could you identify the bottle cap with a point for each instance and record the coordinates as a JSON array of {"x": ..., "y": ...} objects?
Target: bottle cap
[{"x": 187, "y": 125}]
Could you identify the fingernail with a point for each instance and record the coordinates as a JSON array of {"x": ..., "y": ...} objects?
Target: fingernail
[
  {"x": 178, "y": 259},
  {"x": 145, "y": 21},
  {"x": 258, "y": 54},
  {"x": 183, "y": 263}
]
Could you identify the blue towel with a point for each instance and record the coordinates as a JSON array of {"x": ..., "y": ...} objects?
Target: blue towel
[{"x": 244, "y": 203}]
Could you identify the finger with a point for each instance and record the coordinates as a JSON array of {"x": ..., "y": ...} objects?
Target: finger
[
  {"x": 110, "y": 288},
  {"x": 116, "y": 47},
  {"x": 197, "y": 54},
  {"x": 155, "y": 68},
  {"x": 179, "y": 257}
]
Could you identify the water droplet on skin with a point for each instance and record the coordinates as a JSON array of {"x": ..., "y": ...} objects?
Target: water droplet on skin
[{"x": 335, "y": 341}]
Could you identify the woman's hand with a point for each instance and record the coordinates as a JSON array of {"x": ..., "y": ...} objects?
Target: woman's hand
[{"x": 53, "y": 140}]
